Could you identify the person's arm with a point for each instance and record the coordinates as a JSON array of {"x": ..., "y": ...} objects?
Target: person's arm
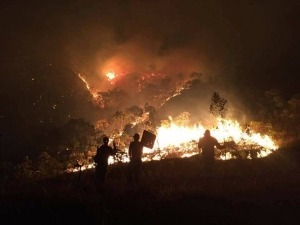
[
  {"x": 114, "y": 149},
  {"x": 142, "y": 148},
  {"x": 111, "y": 151},
  {"x": 96, "y": 157},
  {"x": 200, "y": 144},
  {"x": 219, "y": 146},
  {"x": 130, "y": 150}
]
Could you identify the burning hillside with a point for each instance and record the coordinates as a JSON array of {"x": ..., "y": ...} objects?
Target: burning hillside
[
  {"x": 154, "y": 88},
  {"x": 177, "y": 139}
]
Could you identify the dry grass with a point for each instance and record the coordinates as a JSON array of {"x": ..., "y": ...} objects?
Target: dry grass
[{"x": 173, "y": 191}]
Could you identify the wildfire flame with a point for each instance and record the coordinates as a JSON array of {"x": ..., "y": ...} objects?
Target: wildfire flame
[
  {"x": 92, "y": 92},
  {"x": 177, "y": 92},
  {"x": 111, "y": 76},
  {"x": 184, "y": 139},
  {"x": 181, "y": 141}
]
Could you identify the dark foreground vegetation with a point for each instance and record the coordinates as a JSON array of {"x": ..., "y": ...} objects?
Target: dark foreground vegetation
[{"x": 173, "y": 191}]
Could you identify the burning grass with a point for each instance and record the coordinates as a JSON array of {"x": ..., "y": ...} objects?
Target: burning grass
[{"x": 178, "y": 141}]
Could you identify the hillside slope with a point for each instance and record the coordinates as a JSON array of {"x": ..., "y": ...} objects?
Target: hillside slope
[{"x": 173, "y": 191}]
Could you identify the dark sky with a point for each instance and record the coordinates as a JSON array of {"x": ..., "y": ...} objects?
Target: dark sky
[{"x": 247, "y": 46}]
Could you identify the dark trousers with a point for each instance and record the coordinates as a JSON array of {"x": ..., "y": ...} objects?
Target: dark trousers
[
  {"x": 134, "y": 170},
  {"x": 100, "y": 177},
  {"x": 208, "y": 161}
]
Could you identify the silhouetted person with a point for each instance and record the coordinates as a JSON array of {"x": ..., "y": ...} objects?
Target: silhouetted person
[
  {"x": 207, "y": 144},
  {"x": 101, "y": 160},
  {"x": 135, "y": 152}
]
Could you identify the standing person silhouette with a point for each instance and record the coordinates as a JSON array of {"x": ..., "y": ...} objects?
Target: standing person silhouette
[
  {"x": 101, "y": 160},
  {"x": 135, "y": 152},
  {"x": 207, "y": 143}
]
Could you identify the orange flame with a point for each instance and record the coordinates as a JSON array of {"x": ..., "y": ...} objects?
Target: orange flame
[
  {"x": 92, "y": 92},
  {"x": 181, "y": 141},
  {"x": 185, "y": 139},
  {"x": 111, "y": 76}
]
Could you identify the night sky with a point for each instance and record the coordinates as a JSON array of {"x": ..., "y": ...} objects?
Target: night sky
[{"x": 241, "y": 48}]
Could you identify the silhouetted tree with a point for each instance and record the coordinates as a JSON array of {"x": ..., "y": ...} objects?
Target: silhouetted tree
[
  {"x": 218, "y": 105},
  {"x": 280, "y": 114}
]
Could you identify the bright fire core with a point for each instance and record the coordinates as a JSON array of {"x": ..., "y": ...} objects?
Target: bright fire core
[
  {"x": 110, "y": 76},
  {"x": 182, "y": 141}
]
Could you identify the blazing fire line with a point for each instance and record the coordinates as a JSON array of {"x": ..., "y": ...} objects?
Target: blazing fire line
[
  {"x": 178, "y": 92},
  {"x": 94, "y": 93},
  {"x": 175, "y": 141}
]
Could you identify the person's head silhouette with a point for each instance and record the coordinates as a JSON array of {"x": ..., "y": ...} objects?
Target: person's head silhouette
[
  {"x": 105, "y": 140},
  {"x": 136, "y": 136},
  {"x": 207, "y": 133}
]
